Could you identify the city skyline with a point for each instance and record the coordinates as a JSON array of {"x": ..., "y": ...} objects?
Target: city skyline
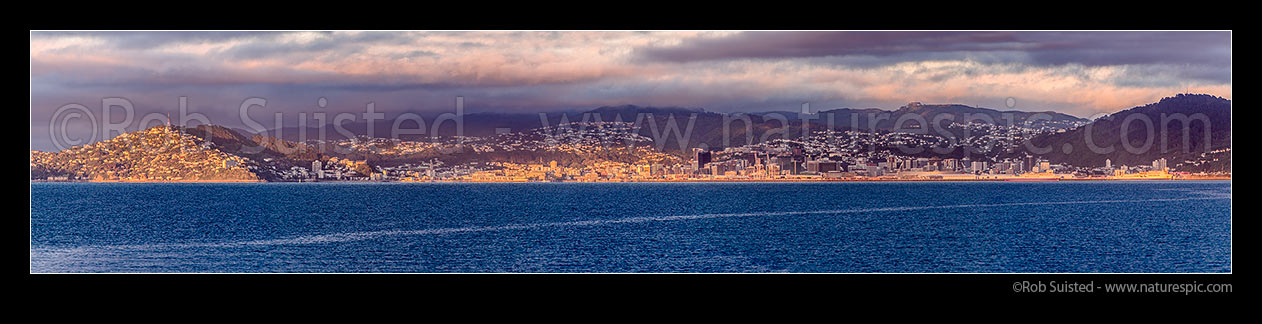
[{"x": 623, "y": 151}]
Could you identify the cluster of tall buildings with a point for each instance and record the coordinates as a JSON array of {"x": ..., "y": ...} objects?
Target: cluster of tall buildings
[{"x": 795, "y": 161}]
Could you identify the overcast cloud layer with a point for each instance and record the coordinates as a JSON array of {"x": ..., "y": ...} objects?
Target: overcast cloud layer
[{"x": 1079, "y": 73}]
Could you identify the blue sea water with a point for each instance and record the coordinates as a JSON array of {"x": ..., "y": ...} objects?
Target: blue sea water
[{"x": 882, "y": 227}]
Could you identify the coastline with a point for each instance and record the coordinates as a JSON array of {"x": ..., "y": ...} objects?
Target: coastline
[
  {"x": 653, "y": 181},
  {"x": 151, "y": 181}
]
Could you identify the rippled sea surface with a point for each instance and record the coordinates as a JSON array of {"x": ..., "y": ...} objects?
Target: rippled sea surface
[{"x": 1117, "y": 226}]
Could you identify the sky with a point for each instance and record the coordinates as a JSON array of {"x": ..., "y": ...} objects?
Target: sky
[{"x": 1082, "y": 73}]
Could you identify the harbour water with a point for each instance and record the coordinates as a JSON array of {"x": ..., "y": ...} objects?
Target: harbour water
[{"x": 881, "y": 227}]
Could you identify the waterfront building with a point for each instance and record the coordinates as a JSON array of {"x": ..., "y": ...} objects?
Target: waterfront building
[
  {"x": 822, "y": 166},
  {"x": 316, "y": 167},
  {"x": 874, "y": 170},
  {"x": 1159, "y": 164},
  {"x": 700, "y": 158}
]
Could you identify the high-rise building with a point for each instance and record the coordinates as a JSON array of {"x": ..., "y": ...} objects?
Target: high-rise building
[
  {"x": 700, "y": 159},
  {"x": 750, "y": 158},
  {"x": 1108, "y": 164},
  {"x": 784, "y": 162}
]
